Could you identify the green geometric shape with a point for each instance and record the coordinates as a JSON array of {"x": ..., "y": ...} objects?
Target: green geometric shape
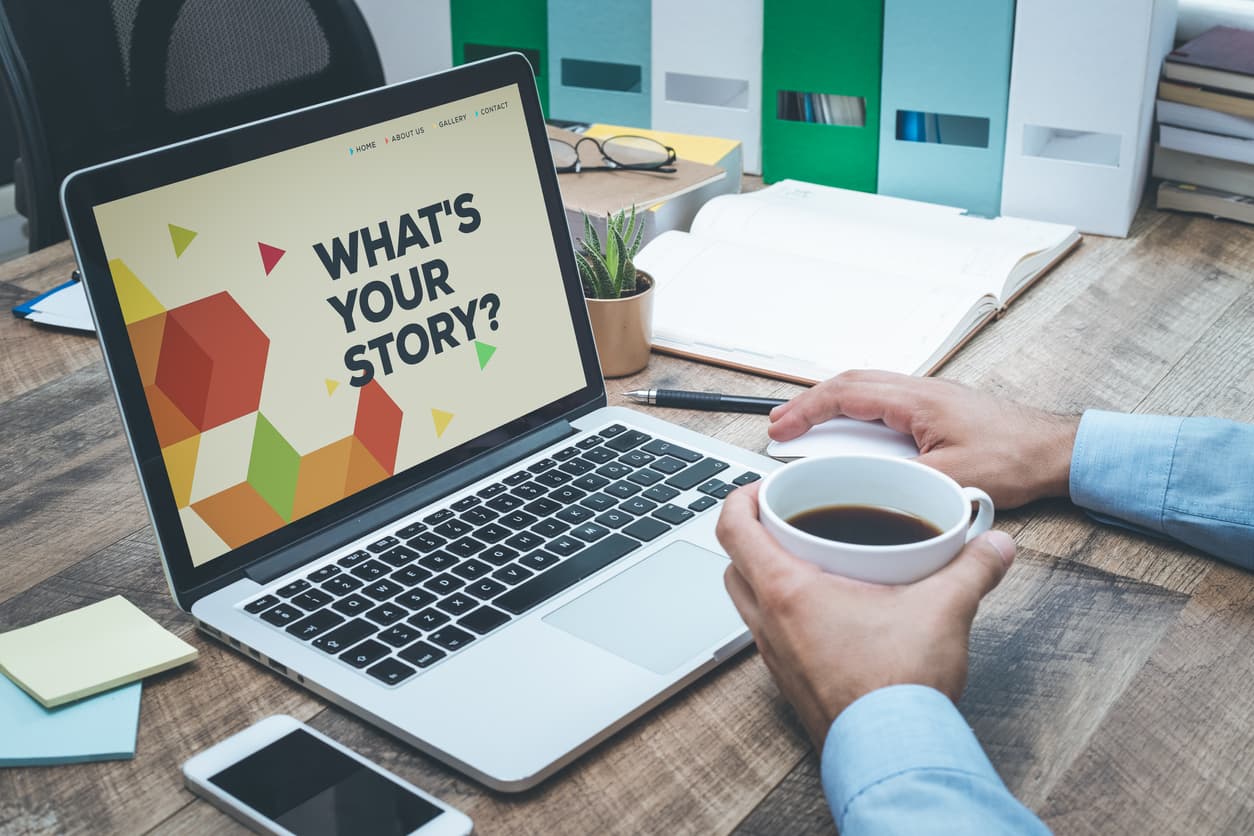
[
  {"x": 485, "y": 353},
  {"x": 180, "y": 237},
  {"x": 273, "y": 467}
]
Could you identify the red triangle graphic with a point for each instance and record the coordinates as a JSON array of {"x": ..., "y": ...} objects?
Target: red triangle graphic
[{"x": 269, "y": 256}]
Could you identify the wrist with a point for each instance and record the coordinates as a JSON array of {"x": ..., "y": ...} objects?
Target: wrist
[{"x": 1056, "y": 446}]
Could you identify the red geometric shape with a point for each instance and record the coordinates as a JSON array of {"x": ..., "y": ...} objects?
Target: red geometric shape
[
  {"x": 378, "y": 425},
  {"x": 269, "y": 256},
  {"x": 171, "y": 425},
  {"x": 213, "y": 358}
]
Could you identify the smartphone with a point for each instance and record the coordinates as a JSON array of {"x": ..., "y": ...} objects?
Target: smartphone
[{"x": 280, "y": 776}]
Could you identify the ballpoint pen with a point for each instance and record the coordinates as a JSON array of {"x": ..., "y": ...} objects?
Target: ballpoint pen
[{"x": 711, "y": 401}]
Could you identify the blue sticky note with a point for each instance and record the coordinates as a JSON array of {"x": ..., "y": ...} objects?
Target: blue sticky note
[{"x": 98, "y": 728}]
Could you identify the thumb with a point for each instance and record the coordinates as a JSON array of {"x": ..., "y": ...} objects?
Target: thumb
[{"x": 979, "y": 567}]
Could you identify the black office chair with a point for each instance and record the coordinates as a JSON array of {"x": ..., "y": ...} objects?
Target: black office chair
[{"x": 91, "y": 80}]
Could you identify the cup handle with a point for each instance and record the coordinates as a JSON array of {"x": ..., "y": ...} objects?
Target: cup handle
[{"x": 984, "y": 517}]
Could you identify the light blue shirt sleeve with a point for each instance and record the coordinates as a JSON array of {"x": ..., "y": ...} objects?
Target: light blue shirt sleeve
[
  {"x": 902, "y": 760},
  {"x": 1191, "y": 479}
]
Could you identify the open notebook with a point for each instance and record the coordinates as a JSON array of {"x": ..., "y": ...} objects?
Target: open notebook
[{"x": 801, "y": 282}]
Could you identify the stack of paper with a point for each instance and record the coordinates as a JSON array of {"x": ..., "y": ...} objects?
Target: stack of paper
[{"x": 64, "y": 307}]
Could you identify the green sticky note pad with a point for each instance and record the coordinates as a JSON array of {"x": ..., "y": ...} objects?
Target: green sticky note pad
[{"x": 89, "y": 650}]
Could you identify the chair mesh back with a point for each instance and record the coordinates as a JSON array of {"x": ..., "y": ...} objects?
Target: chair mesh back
[{"x": 272, "y": 43}]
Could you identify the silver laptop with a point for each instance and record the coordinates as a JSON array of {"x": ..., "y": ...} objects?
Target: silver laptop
[{"x": 353, "y": 360}]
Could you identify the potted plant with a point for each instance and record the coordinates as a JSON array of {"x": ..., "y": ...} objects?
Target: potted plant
[{"x": 619, "y": 297}]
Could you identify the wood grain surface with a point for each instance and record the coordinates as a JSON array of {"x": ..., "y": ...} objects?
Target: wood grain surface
[{"x": 1109, "y": 672}]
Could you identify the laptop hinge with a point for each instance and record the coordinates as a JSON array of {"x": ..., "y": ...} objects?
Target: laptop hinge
[{"x": 395, "y": 507}]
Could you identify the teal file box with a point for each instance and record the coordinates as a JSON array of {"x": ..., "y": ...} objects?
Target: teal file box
[
  {"x": 599, "y": 61},
  {"x": 483, "y": 28},
  {"x": 944, "y": 90},
  {"x": 812, "y": 52}
]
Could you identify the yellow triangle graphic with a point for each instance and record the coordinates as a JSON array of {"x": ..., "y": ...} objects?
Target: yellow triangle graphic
[
  {"x": 441, "y": 419},
  {"x": 136, "y": 300},
  {"x": 332, "y": 385},
  {"x": 180, "y": 237},
  {"x": 180, "y": 463}
]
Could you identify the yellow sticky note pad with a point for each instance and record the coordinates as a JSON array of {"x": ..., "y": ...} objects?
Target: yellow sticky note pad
[{"x": 89, "y": 650}]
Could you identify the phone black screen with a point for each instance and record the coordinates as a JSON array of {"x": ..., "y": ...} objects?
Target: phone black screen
[{"x": 311, "y": 788}]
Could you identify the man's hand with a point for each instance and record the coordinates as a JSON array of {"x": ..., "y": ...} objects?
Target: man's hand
[
  {"x": 1014, "y": 453},
  {"x": 829, "y": 640}
]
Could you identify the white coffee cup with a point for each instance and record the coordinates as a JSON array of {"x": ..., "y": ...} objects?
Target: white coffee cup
[{"x": 885, "y": 481}]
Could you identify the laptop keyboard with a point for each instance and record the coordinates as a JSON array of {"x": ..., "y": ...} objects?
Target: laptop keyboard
[{"x": 435, "y": 585}]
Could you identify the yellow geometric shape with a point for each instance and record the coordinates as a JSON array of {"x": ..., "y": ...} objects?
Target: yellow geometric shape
[
  {"x": 441, "y": 419},
  {"x": 180, "y": 238},
  {"x": 180, "y": 463},
  {"x": 332, "y": 385},
  {"x": 146, "y": 337},
  {"x": 136, "y": 300},
  {"x": 322, "y": 477}
]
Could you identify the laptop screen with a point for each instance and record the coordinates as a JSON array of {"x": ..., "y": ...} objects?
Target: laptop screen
[{"x": 308, "y": 323}]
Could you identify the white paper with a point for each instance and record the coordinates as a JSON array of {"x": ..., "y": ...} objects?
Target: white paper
[{"x": 67, "y": 308}]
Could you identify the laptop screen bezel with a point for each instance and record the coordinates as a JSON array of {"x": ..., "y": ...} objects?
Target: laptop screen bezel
[{"x": 84, "y": 190}]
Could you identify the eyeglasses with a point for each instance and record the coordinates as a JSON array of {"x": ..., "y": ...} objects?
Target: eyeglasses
[{"x": 632, "y": 153}]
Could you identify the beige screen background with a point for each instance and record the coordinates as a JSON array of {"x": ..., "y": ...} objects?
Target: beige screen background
[{"x": 257, "y": 418}]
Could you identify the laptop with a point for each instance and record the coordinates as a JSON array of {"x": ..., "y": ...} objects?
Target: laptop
[{"x": 354, "y": 364}]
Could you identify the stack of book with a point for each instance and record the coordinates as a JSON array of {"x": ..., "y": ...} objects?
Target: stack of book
[{"x": 1205, "y": 152}]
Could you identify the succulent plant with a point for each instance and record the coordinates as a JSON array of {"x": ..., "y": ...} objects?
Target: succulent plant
[{"x": 608, "y": 272}]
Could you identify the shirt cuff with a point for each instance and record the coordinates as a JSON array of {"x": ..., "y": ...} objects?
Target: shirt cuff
[
  {"x": 1121, "y": 465},
  {"x": 892, "y": 731}
]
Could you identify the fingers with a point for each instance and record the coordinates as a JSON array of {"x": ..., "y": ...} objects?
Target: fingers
[
  {"x": 754, "y": 552},
  {"x": 744, "y": 599},
  {"x": 865, "y": 395},
  {"x": 977, "y": 569}
]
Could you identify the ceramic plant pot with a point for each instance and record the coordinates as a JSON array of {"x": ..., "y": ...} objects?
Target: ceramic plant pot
[{"x": 623, "y": 330}]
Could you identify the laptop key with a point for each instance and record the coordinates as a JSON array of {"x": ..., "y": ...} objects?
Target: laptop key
[
  {"x": 399, "y": 635},
  {"x": 439, "y": 561},
  {"x": 465, "y": 547},
  {"x": 589, "y": 442},
  {"x": 441, "y": 584},
  {"x": 553, "y": 478},
  {"x": 491, "y": 490},
  {"x": 387, "y": 613},
  {"x": 381, "y": 590},
  {"x": 673, "y": 514},
  {"x": 452, "y": 529},
  {"x": 383, "y": 544},
  {"x": 365, "y": 653},
  {"x": 451, "y": 638},
  {"x": 528, "y": 491},
  {"x": 615, "y": 518},
  {"x": 576, "y": 467},
  {"x": 613, "y": 430},
  {"x": 695, "y": 474},
  {"x": 647, "y": 528},
  {"x": 370, "y": 570},
  {"x": 638, "y": 505},
  {"x": 421, "y": 654},
  {"x": 600, "y": 455},
  {"x": 614, "y": 470},
  {"x": 315, "y": 624},
  {"x": 352, "y": 605},
  {"x": 410, "y": 575},
  {"x": 344, "y": 636},
  {"x": 589, "y": 532},
  {"x": 658, "y": 447},
  {"x": 565, "y": 574},
  {"x": 265, "y": 602},
  {"x": 516, "y": 478},
  {"x": 282, "y": 615},
  {"x": 427, "y": 542},
  {"x": 546, "y": 505},
  {"x": 591, "y": 482},
  {"x": 391, "y": 672},
  {"x": 645, "y": 477},
  {"x": 524, "y": 540},
  {"x": 542, "y": 465},
  {"x": 498, "y": 555},
  {"x": 746, "y": 478},
  {"x": 723, "y": 491},
  {"x": 354, "y": 558},
  {"x": 667, "y": 465},
  {"x": 598, "y": 502},
  {"x": 465, "y": 503},
  {"x": 411, "y": 530},
  {"x": 457, "y": 603},
  {"x": 566, "y": 453},
  {"x": 661, "y": 493},
  {"x": 539, "y": 560},
  {"x": 472, "y": 569},
  {"x": 512, "y": 574},
  {"x": 622, "y": 489},
  {"x": 625, "y": 441},
  {"x": 550, "y": 528},
  {"x": 311, "y": 599},
  {"x": 437, "y": 517},
  {"x": 712, "y": 487},
  {"x": 636, "y": 458},
  {"x": 415, "y": 599},
  {"x": 484, "y": 620},
  {"x": 479, "y": 516},
  {"x": 429, "y": 619},
  {"x": 574, "y": 514},
  {"x": 565, "y": 546},
  {"x": 492, "y": 533},
  {"x": 701, "y": 503},
  {"x": 504, "y": 502},
  {"x": 320, "y": 575},
  {"x": 296, "y": 586},
  {"x": 485, "y": 589}
]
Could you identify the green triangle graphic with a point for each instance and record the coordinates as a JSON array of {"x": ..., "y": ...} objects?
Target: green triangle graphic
[
  {"x": 181, "y": 238},
  {"x": 485, "y": 353}
]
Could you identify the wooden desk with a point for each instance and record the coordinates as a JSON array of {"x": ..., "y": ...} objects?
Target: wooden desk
[{"x": 1111, "y": 674}]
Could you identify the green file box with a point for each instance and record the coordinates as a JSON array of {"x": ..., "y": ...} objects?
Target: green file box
[
  {"x": 812, "y": 51},
  {"x": 483, "y": 28}
]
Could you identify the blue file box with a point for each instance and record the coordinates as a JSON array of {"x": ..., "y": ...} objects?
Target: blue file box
[{"x": 599, "y": 61}]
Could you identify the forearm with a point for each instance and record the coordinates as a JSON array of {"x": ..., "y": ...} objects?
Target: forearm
[
  {"x": 902, "y": 760},
  {"x": 1191, "y": 479}
]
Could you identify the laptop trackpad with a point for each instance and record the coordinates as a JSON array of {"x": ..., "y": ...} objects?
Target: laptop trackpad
[{"x": 660, "y": 612}]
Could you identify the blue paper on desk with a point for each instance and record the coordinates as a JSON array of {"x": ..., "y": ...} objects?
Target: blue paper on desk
[
  {"x": 98, "y": 728},
  {"x": 64, "y": 307}
]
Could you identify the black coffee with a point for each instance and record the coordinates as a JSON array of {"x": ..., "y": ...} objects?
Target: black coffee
[{"x": 864, "y": 525}]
